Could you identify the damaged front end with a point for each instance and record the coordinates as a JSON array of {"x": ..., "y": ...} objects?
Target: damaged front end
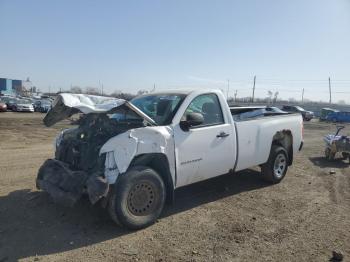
[
  {"x": 78, "y": 167},
  {"x": 66, "y": 186}
]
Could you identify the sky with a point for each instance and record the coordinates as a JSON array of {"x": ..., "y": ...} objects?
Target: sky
[{"x": 132, "y": 45}]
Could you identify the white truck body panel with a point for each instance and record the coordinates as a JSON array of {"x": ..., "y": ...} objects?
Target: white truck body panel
[
  {"x": 198, "y": 154},
  {"x": 89, "y": 103},
  {"x": 193, "y": 155},
  {"x": 126, "y": 146},
  {"x": 201, "y": 155},
  {"x": 256, "y": 135}
]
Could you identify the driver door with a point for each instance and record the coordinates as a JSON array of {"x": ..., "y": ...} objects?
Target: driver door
[{"x": 206, "y": 150}]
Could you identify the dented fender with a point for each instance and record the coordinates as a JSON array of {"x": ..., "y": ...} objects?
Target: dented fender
[{"x": 146, "y": 140}]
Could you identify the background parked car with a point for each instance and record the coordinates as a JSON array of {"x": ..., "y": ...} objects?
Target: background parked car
[
  {"x": 42, "y": 106},
  {"x": 338, "y": 117},
  {"x": 307, "y": 115},
  {"x": 325, "y": 112},
  {"x": 9, "y": 101},
  {"x": 23, "y": 105},
  {"x": 3, "y": 107}
]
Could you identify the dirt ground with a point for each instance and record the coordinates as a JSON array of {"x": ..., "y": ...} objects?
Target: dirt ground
[{"x": 231, "y": 218}]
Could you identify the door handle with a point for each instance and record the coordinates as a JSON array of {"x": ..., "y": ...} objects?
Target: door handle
[{"x": 222, "y": 134}]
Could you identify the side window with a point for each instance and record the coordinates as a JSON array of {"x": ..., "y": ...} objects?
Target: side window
[{"x": 208, "y": 105}]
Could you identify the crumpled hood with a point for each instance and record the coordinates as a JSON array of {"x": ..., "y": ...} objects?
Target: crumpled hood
[{"x": 66, "y": 105}]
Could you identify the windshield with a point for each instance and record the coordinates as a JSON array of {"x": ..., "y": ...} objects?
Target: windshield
[
  {"x": 161, "y": 107},
  {"x": 45, "y": 103},
  {"x": 22, "y": 101}
]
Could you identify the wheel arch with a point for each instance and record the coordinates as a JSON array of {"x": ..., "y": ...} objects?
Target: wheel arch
[
  {"x": 158, "y": 162},
  {"x": 284, "y": 138}
]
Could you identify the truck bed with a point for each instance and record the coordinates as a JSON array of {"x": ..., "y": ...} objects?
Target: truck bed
[
  {"x": 253, "y": 112},
  {"x": 253, "y": 134}
]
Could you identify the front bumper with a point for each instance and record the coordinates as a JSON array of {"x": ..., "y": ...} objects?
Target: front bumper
[{"x": 66, "y": 186}]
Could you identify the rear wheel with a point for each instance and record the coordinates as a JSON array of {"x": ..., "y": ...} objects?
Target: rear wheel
[
  {"x": 138, "y": 198},
  {"x": 275, "y": 169}
]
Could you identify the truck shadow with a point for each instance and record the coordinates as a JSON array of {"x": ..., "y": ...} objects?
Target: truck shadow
[
  {"x": 31, "y": 224},
  {"x": 214, "y": 189},
  {"x": 323, "y": 162}
]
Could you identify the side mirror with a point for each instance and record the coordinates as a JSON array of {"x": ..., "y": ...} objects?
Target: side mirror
[{"x": 192, "y": 119}]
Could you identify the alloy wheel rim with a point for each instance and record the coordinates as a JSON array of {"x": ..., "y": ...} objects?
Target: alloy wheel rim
[{"x": 280, "y": 165}]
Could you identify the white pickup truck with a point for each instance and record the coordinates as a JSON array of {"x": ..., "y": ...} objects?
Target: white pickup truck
[{"x": 131, "y": 156}]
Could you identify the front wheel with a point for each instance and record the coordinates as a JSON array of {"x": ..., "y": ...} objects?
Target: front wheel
[
  {"x": 138, "y": 198},
  {"x": 275, "y": 169}
]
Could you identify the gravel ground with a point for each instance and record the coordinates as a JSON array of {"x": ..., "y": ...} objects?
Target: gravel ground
[{"x": 230, "y": 218}]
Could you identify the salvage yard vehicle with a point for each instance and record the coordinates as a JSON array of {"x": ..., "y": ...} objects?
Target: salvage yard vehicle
[
  {"x": 42, "y": 106},
  {"x": 3, "y": 107},
  {"x": 9, "y": 101},
  {"x": 339, "y": 116},
  {"x": 336, "y": 143},
  {"x": 131, "y": 156},
  {"x": 307, "y": 115},
  {"x": 23, "y": 105},
  {"x": 325, "y": 112}
]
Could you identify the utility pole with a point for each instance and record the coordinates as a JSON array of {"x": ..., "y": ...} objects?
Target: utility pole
[
  {"x": 101, "y": 87},
  {"x": 302, "y": 97},
  {"x": 253, "y": 89},
  {"x": 236, "y": 95},
  {"x": 330, "y": 90},
  {"x": 228, "y": 88}
]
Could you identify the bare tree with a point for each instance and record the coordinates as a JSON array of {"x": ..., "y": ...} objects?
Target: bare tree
[
  {"x": 269, "y": 95},
  {"x": 142, "y": 92},
  {"x": 119, "y": 94},
  {"x": 275, "y": 97},
  {"x": 116, "y": 93},
  {"x": 92, "y": 91},
  {"x": 76, "y": 90}
]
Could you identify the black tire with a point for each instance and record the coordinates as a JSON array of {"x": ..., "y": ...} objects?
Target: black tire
[
  {"x": 272, "y": 172},
  {"x": 138, "y": 198}
]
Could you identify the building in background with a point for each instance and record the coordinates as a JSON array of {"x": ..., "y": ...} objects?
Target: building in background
[
  {"x": 8, "y": 86},
  {"x": 15, "y": 87}
]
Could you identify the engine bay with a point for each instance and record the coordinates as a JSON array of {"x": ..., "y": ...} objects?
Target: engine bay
[{"x": 79, "y": 147}]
